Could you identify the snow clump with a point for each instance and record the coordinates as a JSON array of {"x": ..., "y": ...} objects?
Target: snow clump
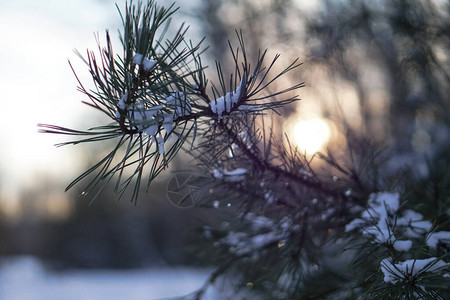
[
  {"x": 148, "y": 120},
  {"x": 264, "y": 232},
  {"x": 145, "y": 63},
  {"x": 378, "y": 217},
  {"x": 402, "y": 245},
  {"x": 440, "y": 236},
  {"x": 382, "y": 217},
  {"x": 235, "y": 175},
  {"x": 178, "y": 100},
  {"x": 227, "y": 102}
]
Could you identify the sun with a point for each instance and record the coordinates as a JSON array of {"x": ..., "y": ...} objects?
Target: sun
[{"x": 311, "y": 135}]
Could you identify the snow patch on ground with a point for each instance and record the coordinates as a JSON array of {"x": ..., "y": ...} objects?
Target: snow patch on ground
[{"x": 25, "y": 278}]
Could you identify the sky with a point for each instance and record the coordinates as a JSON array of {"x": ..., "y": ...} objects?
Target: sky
[{"x": 38, "y": 86}]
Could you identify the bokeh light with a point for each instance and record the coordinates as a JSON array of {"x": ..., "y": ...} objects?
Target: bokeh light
[{"x": 311, "y": 135}]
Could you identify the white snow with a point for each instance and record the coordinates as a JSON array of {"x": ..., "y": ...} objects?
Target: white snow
[
  {"x": 138, "y": 58},
  {"x": 168, "y": 123},
  {"x": 402, "y": 245},
  {"x": 227, "y": 102},
  {"x": 261, "y": 240},
  {"x": 409, "y": 216},
  {"x": 175, "y": 98},
  {"x": 422, "y": 225},
  {"x": 356, "y": 223},
  {"x": 182, "y": 107},
  {"x": 121, "y": 105},
  {"x": 149, "y": 120},
  {"x": 25, "y": 278},
  {"x": 242, "y": 243},
  {"x": 236, "y": 172},
  {"x": 218, "y": 174},
  {"x": 147, "y": 64},
  {"x": 380, "y": 218},
  {"x": 269, "y": 196},
  {"x": 382, "y": 232},
  {"x": 414, "y": 223},
  {"x": 418, "y": 229},
  {"x": 440, "y": 236},
  {"x": 122, "y": 101},
  {"x": 390, "y": 200},
  {"x": 381, "y": 206},
  {"x": 144, "y": 119},
  {"x": 160, "y": 141},
  {"x": 182, "y": 110},
  {"x": 151, "y": 130},
  {"x": 258, "y": 222},
  {"x": 235, "y": 175},
  {"x": 394, "y": 272}
]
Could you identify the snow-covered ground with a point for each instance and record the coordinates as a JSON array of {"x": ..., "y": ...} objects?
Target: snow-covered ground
[{"x": 25, "y": 278}]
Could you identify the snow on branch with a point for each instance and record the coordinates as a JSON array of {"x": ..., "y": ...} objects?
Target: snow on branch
[
  {"x": 229, "y": 101},
  {"x": 433, "y": 239},
  {"x": 382, "y": 221},
  {"x": 157, "y": 90},
  {"x": 235, "y": 175},
  {"x": 410, "y": 269},
  {"x": 144, "y": 62},
  {"x": 376, "y": 220},
  {"x": 179, "y": 102},
  {"x": 263, "y": 234}
]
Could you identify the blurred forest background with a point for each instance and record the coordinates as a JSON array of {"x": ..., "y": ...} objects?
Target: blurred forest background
[{"x": 377, "y": 71}]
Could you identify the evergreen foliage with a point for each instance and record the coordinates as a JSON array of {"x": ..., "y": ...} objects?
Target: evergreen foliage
[{"x": 294, "y": 226}]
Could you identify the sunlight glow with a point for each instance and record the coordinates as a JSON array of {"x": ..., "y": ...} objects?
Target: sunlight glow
[{"x": 311, "y": 135}]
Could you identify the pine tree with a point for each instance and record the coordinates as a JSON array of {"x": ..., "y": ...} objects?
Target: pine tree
[{"x": 330, "y": 226}]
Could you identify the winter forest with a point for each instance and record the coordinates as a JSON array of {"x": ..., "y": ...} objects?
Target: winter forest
[{"x": 242, "y": 149}]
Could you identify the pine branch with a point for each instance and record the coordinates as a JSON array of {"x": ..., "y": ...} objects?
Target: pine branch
[{"x": 156, "y": 92}]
